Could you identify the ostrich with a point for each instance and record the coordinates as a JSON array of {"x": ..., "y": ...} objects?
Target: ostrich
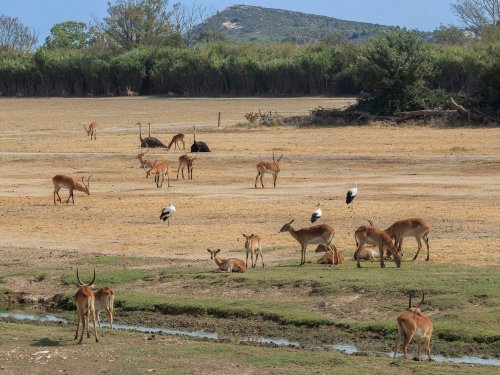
[
  {"x": 199, "y": 146},
  {"x": 149, "y": 141}
]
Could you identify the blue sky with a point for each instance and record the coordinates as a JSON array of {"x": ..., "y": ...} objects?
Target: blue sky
[{"x": 424, "y": 15}]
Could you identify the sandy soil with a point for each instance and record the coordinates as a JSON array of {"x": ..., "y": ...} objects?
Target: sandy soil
[{"x": 451, "y": 177}]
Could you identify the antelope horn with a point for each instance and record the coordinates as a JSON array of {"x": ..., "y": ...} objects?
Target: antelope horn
[
  {"x": 85, "y": 128},
  {"x": 280, "y": 157},
  {"x": 92, "y": 282},
  {"x": 78, "y": 278},
  {"x": 371, "y": 222},
  {"x": 273, "y": 157},
  {"x": 409, "y": 299},
  {"x": 423, "y": 296}
]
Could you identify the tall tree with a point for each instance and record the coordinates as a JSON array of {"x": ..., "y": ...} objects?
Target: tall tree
[
  {"x": 16, "y": 36},
  {"x": 69, "y": 34},
  {"x": 477, "y": 14}
]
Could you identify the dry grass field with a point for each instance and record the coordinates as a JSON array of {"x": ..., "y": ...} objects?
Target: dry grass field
[{"x": 449, "y": 176}]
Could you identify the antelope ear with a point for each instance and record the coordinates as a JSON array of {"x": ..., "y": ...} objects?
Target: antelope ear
[
  {"x": 209, "y": 250},
  {"x": 252, "y": 235},
  {"x": 218, "y": 250}
]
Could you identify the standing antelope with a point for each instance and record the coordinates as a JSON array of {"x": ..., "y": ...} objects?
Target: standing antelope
[
  {"x": 413, "y": 323},
  {"x": 186, "y": 161},
  {"x": 131, "y": 92},
  {"x": 227, "y": 265},
  {"x": 316, "y": 234},
  {"x": 144, "y": 162},
  {"x": 253, "y": 243},
  {"x": 419, "y": 228},
  {"x": 175, "y": 139},
  {"x": 329, "y": 256},
  {"x": 85, "y": 305},
  {"x": 377, "y": 237},
  {"x": 159, "y": 170},
  {"x": 92, "y": 130},
  {"x": 264, "y": 167},
  {"x": 104, "y": 301},
  {"x": 61, "y": 181}
]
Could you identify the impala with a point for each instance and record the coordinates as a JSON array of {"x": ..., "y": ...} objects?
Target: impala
[
  {"x": 92, "y": 130},
  {"x": 412, "y": 323},
  {"x": 316, "y": 234},
  {"x": 104, "y": 301},
  {"x": 61, "y": 181},
  {"x": 175, "y": 139},
  {"x": 329, "y": 256},
  {"x": 131, "y": 92},
  {"x": 159, "y": 170},
  {"x": 253, "y": 243},
  {"x": 377, "y": 237},
  {"x": 419, "y": 228},
  {"x": 264, "y": 167},
  {"x": 85, "y": 305},
  {"x": 144, "y": 162},
  {"x": 227, "y": 265},
  {"x": 186, "y": 161}
]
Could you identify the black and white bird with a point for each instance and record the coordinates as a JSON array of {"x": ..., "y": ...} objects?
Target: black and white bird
[
  {"x": 351, "y": 194},
  {"x": 316, "y": 215},
  {"x": 167, "y": 213}
]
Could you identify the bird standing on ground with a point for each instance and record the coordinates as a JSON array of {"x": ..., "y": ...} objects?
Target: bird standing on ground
[
  {"x": 167, "y": 213},
  {"x": 351, "y": 194},
  {"x": 316, "y": 215}
]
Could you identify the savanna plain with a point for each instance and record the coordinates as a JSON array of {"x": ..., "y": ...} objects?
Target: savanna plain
[{"x": 163, "y": 275}]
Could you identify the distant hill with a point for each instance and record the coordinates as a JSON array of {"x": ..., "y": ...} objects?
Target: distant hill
[{"x": 244, "y": 23}]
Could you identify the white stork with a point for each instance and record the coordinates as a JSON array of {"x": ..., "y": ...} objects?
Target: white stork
[
  {"x": 316, "y": 215},
  {"x": 167, "y": 213},
  {"x": 351, "y": 194}
]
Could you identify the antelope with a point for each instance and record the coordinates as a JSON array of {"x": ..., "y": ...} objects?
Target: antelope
[
  {"x": 417, "y": 227},
  {"x": 316, "y": 234},
  {"x": 144, "y": 162},
  {"x": 130, "y": 92},
  {"x": 375, "y": 236},
  {"x": 104, "y": 301},
  {"x": 253, "y": 243},
  {"x": 85, "y": 305},
  {"x": 175, "y": 139},
  {"x": 158, "y": 170},
  {"x": 329, "y": 256},
  {"x": 368, "y": 252},
  {"x": 413, "y": 323},
  {"x": 186, "y": 161},
  {"x": 264, "y": 167},
  {"x": 92, "y": 130},
  {"x": 61, "y": 181},
  {"x": 227, "y": 265}
]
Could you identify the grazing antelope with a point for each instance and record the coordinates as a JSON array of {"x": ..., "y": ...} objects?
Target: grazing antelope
[
  {"x": 144, "y": 162},
  {"x": 61, "y": 181},
  {"x": 186, "y": 161},
  {"x": 160, "y": 170},
  {"x": 104, "y": 301},
  {"x": 413, "y": 323},
  {"x": 419, "y": 228},
  {"x": 329, "y": 256},
  {"x": 316, "y": 234},
  {"x": 131, "y": 92},
  {"x": 253, "y": 243},
  {"x": 92, "y": 130},
  {"x": 227, "y": 265},
  {"x": 264, "y": 167},
  {"x": 377, "y": 237},
  {"x": 175, "y": 139},
  {"x": 85, "y": 305}
]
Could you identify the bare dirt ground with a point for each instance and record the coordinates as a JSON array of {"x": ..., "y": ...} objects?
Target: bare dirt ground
[{"x": 451, "y": 177}]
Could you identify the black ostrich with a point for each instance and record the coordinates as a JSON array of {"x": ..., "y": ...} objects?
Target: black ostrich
[
  {"x": 149, "y": 141},
  {"x": 199, "y": 146}
]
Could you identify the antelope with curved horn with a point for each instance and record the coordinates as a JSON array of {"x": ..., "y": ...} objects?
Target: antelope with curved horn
[
  {"x": 186, "y": 161},
  {"x": 85, "y": 305},
  {"x": 144, "y": 162},
  {"x": 377, "y": 237},
  {"x": 316, "y": 234},
  {"x": 253, "y": 244},
  {"x": 419, "y": 228},
  {"x": 175, "y": 141},
  {"x": 160, "y": 170},
  {"x": 227, "y": 265},
  {"x": 412, "y": 323},
  {"x": 92, "y": 130},
  {"x": 61, "y": 181},
  {"x": 265, "y": 167}
]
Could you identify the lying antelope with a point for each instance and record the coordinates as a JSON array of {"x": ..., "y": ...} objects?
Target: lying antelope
[
  {"x": 160, "y": 170},
  {"x": 316, "y": 234},
  {"x": 377, "y": 237},
  {"x": 265, "y": 167},
  {"x": 368, "y": 252},
  {"x": 186, "y": 161},
  {"x": 329, "y": 256},
  {"x": 131, "y": 92},
  {"x": 253, "y": 243},
  {"x": 61, "y": 181},
  {"x": 85, "y": 305},
  {"x": 92, "y": 130},
  {"x": 413, "y": 323},
  {"x": 227, "y": 265},
  {"x": 419, "y": 228},
  {"x": 104, "y": 301},
  {"x": 144, "y": 162},
  {"x": 175, "y": 141}
]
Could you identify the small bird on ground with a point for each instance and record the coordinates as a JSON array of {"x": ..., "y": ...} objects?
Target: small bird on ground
[
  {"x": 167, "y": 213},
  {"x": 351, "y": 194},
  {"x": 316, "y": 215}
]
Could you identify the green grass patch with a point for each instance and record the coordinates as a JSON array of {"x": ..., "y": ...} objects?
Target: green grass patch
[{"x": 107, "y": 260}]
